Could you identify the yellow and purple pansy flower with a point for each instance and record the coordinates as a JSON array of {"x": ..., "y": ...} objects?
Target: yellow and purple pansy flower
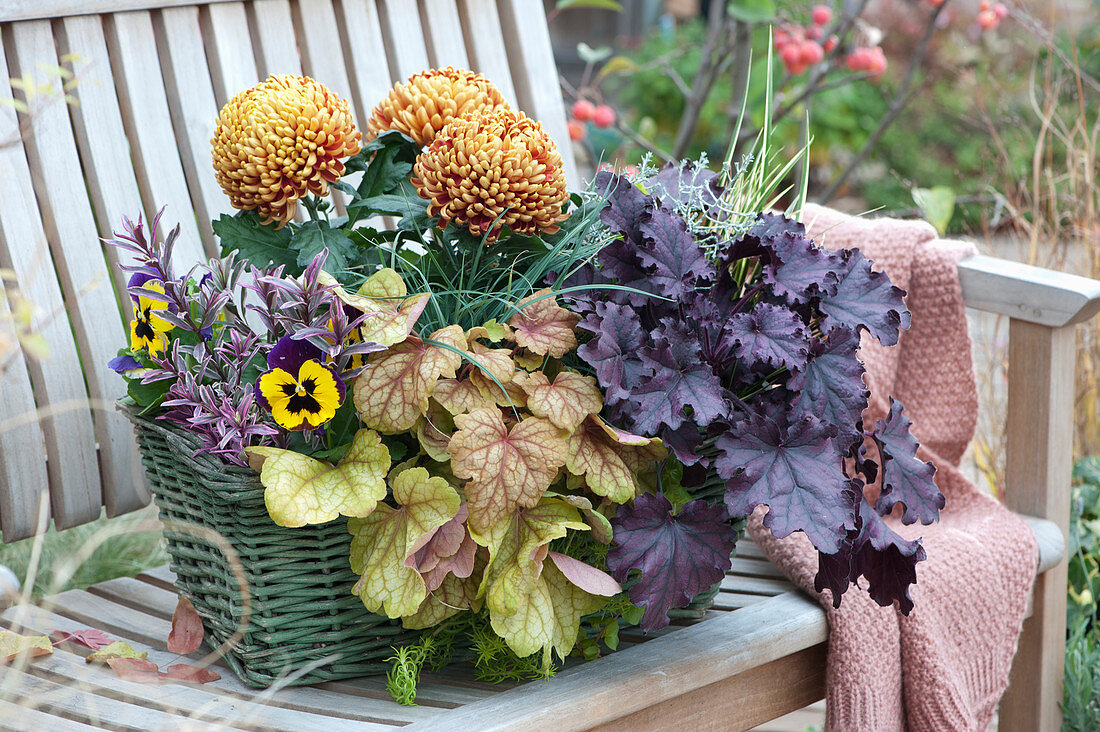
[
  {"x": 300, "y": 391},
  {"x": 148, "y": 329}
]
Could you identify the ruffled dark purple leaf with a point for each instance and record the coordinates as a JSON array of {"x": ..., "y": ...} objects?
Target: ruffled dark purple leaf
[
  {"x": 876, "y": 552},
  {"x": 830, "y": 385},
  {"x": 678, "y": 379},
  {"x": 613, "y": 351},
  {"x": 866, "y": 299},
  {"x": 906, "y": 479},
  {"x": 677, "y": 556},
  {"x": 626, "y": 205},
  {"x": 796, "y": 471},
  {"x": 674, "y": 260},
  {"x": 772, "y": 335}
]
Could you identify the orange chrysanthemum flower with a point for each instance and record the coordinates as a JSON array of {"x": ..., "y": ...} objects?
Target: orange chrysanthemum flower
[
  {"x": 496, "y": 164},
  {"x": 429, "y": 100},
  {"x": 279, "y": 140}
]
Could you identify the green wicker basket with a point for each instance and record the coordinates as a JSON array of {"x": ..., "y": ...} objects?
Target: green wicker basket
[{"x": 303, "y": 613}]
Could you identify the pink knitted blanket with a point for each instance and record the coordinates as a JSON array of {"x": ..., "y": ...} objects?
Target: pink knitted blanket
[{"x": 945, "y": 666}]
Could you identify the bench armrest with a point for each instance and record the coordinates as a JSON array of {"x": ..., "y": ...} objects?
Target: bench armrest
[
  {"x": 1043, "y": 308},
  {"x": 1023, "y": 292}
]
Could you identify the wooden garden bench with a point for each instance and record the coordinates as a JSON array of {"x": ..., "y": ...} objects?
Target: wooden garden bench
[{"x": 151, "y": 77}]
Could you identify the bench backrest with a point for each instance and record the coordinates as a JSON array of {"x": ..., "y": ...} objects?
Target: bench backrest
[{"x": 150, "y": 76}]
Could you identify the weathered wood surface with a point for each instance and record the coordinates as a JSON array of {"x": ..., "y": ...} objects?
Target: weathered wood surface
[
  {"x": 1027, "y": 293},
  {"x": 759, "y": 653}
]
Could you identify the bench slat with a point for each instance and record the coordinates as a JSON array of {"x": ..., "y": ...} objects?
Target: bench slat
[
  {"x": 274, "y": 44},
  {"x": 443, "y": 37},
  {"x": 193, "y": 107},
  {"x": 232, "y": 64},
  {"x": 148, "y": 123},
  {"x": 485, "y": 44},
  {"x": 83, "y": 270},
  {"x": 59, "y": 390},
  {"x": 403, "y": 37}
]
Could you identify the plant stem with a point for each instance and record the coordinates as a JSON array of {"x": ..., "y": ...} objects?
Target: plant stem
[{"x": 704, "y": 78}]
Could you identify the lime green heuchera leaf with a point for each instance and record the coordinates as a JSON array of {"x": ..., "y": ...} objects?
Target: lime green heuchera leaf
[
  {"x": 517, "y": 545},
  {"x": 566, "y": 402},
  {"x": 118, "y": 649},
  {"x": 391, "y": 311},
  {"x": 490, "y": 331},
  {"x": 300, "y": 490},
  {"x": 384, "y": 540},
  {"x": 392, "y": 391},
  {"x": 507, "y": 468},
  {"x": 599, "y": 524},
  {"x": 548, "y": 617},
  {"x": 609, "y": 459},
  {"x": 13, "y": 646}
]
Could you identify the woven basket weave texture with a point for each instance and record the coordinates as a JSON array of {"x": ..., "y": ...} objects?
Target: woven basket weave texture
[{"x": 306, "y": 625}]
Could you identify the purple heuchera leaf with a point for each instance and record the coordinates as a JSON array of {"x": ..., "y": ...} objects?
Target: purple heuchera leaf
[
  {"x": 678, "y": 378},
  {"x": 678, "y": 556},
  {"x": 613, "y": 352},
  {"x": 625, "y": 207},
  {"x": 796, "y": 471},
  {"x": 675, "y": 261},
  {"x": 876, "y": 552},
  {"x": 866, "y": 299},
  {"x": 831, "y": 383},
  {"x": 772, "y": 335},
  {"x": 906, "y": 479}
]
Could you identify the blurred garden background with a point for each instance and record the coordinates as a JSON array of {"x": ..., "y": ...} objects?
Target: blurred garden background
[{"x": 981, "y": 116}]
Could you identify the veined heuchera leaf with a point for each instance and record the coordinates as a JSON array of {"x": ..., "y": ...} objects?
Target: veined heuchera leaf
[
  {"x": 906, "y": 479},
  {"x": 585, "y": 576},
  {"x": 450, "y": 550},
  {"x": 613, "y": 351},
  {"x": 771, "y": 335},
  {"x": 877, "y": 552},
  {"x": 392, "y": 391},
  {"x": 796, "y": 471},
  {"x": 459, "y": 395},
  {"x": 793, "y": 265},
  {"x": 566, "y": 402},
  {"x": 679, "y": 379},
  {"x": 607, "y": 458},
  {"x": 495, "y": 361},
  {"x": 548, "y": 617},
  {"x": 507, "y": 468},
  {"x": 830, "y": 385},
  {"x": 678, "y": 556},
  {"x": 13, "y": 646},
  {"x": 544, "y": 327},
  {"x": 300, "y": 490},
  {"x": 675, "y": 261},
  {"x": 453, "y": 595},
  {"x": 390, "y": 311},
  {"x": 866, "y": 299},
  {"x": 384, "y": 540},
  {"x": 517, "y": 545}
]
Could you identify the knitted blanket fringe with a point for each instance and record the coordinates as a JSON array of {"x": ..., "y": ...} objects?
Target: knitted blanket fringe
[{"x": 946, "y": 665}]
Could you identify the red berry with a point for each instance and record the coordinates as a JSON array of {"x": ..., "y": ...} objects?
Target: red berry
[
  {"x": 810, "y": 52},
  {"x": 813, "y": 33},
  {"x": 603, "y": 116},
  {"x": 780, "y": 38},
  {"x": 821, "y": 14},
  {"x": 1001, "y": 11},
  {"x": 583, "y": 109},
  {"x": 984, "y": 5},
  {"x": 791, "y": 55},
  {"x": 988, "y": 19},
  {"x": 630, "y": 171},
  {"x": 830, "y": 44},
  {"x": 876, "y": 61},
  {"x": 857, "y": 59},
  {"x": 576, "y": 130}
]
